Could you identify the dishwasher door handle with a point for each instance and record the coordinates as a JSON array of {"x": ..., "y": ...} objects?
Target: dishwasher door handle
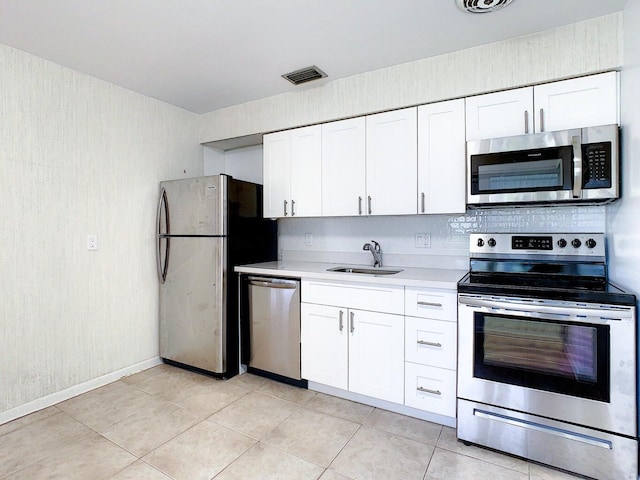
[{"x": 273, "y": 283}]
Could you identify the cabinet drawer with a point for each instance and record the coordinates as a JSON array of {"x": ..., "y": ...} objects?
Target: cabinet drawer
[
  {"x": 431, "y": 342},
  {"x": 377, "y": 298},
  {"x": 431, "y": 303},
  {"x": 430, "y": 389}
]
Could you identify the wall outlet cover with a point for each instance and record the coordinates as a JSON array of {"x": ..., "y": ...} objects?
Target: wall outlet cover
[
  {"x": 308, "y": 239},
  {"x": 423, "y": 240},
  {"x": 92, "y": 242}
]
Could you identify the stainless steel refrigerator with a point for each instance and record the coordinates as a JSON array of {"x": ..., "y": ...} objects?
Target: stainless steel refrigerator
[{"x": 206, "y": 226}]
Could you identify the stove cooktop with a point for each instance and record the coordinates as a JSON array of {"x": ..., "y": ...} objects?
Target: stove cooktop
[{"x": 569, "y": 267}]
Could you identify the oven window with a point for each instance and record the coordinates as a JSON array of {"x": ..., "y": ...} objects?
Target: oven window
[{"x": 563, "y": 357}]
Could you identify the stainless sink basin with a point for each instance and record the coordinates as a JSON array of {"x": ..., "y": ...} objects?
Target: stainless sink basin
[{"x": 364, "y": 270}]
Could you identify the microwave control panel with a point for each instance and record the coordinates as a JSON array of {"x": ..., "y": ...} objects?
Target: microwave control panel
[{"x": 596, "y": 159}]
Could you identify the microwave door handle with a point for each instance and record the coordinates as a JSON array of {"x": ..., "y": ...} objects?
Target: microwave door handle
[{"x": 577, "y": 166}]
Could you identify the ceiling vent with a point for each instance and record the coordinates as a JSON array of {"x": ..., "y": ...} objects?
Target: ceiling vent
[
  {"x": 481, "y": 6},
  {"x": 304, "y": 75}
]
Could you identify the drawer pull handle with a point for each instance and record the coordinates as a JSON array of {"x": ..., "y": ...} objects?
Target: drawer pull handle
[
  {"x": 430, "y": 304},
  {"x": 431, "y": 344},
  {"x": 428, "y": 390}
]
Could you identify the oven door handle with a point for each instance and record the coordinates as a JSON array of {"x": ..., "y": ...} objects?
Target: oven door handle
[{"x": 577, "y": 312}]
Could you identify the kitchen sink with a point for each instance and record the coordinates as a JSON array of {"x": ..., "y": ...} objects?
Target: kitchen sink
[{"x": 364, "y": 270}]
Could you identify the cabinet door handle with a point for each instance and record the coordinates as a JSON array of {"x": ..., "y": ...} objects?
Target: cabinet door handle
[
  {"x": 526, "y": 121},
  {"x": 340, "y": 320},
  {"x": 542, "y": 120},
  {"x": 293, "y": 208},
  {"x": 430, "y": 304},
  {"x": 431, "y": 344},
  {"x": 359, "y": 205},
  {"x": 428, "y": 390},
  {"x": 352, "y": 326},
  {"x": 285, "y": 208},
  {"x": 369, "y": 202},
  {"x": 422, "y": 201}
]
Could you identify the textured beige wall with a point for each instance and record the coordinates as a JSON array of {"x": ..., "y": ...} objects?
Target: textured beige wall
[
  {"x": 79, "y": 156},
  {"x": 623, "y": 219},
  {"x": 586, "y": 47}
]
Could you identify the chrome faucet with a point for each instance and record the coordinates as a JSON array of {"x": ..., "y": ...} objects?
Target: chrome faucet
[{"x": 376, "y": 251}]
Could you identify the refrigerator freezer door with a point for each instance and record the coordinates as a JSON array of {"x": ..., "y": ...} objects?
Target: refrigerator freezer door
[
  {"x": 193, "y": 206},
  {"x": 192, "y": 303}
]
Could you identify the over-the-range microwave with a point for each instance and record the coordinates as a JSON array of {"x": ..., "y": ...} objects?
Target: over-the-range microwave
[{"x": 567, "y": 166}]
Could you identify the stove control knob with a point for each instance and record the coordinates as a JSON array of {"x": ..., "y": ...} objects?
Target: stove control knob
[
  {"x": 492, "y": 242},
  {"x": 576, "y": 243},
  {"x": 480, "y": 242},
  {"x": 562, "y": 243},
  {"x": 591, "y": 243}
]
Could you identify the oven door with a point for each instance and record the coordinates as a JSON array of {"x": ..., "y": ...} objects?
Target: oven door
[{"x": 562, "y": 360}]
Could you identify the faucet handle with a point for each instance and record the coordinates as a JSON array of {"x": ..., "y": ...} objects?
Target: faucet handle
[{"x": 366, "y": 246}]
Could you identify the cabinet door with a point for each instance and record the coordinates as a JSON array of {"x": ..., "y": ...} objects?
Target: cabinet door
[
  {"x": 441, "y": 157},
  {"x": 500, "y": 114},
  {"x": 343, "y": 167},
  {"x": 579, "y": 102},
  {"x": 324, "y": 343},
  {"x": 392, "y": 162},
  {"x": 376, "y": 355},
  {"x": 276, "y": 165},
  {"x": 306, "y": 171}
]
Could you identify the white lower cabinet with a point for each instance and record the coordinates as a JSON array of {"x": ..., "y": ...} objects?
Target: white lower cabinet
[
  {"x": 357, "y": 350},
  {"x": 376, "y": 355},
  {"x": 430, "y": 388},
  {"x": 324, "y": 345},
  {"x": 431, "y": 334},
  {"x": 407, "y": 360}
]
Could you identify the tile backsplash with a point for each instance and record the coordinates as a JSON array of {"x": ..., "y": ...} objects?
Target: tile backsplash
[{"x": 340, "y": 239}]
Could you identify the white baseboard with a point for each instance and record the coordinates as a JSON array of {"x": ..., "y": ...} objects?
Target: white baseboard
[
  {"x": 67, "y": 393},
  {"x": 383, "y": 404}
]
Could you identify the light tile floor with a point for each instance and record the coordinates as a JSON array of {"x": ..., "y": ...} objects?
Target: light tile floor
[{"x": 168, "y": 423}]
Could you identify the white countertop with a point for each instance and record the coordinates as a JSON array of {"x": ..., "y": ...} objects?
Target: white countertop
[{"x": 411, "y": 277}]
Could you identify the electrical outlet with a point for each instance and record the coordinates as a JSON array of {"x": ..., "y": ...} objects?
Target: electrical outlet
[
  {"x": 92, "y": 242},
  {"x": 308, "y": 239},
  {"x": 423, "y": 240},
  {"x": 280, "y": 254}
]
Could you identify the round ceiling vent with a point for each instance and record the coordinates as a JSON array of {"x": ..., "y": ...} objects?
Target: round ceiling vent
[{"x": 481, "y": 6}]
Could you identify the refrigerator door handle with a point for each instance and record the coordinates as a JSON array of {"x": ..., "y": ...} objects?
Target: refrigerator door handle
[
  {"x": 162, "y": 269},
  {"x": 163, "y": 202}
]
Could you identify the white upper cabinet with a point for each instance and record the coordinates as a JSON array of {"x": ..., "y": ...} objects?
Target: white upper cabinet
[
  {"x": 292, "y": 173},
  {"x": 276, "y": 169},
  {"x": 306, "y": 171},
  {"x": 343, "y": 167},
  {"x": 391, "y": 156},
  {"x": 441, "y": 157},
  {"x": 575, "y": 103},
  {"x": 579, "y": 102},
  {"x": 500, "y": 114}
]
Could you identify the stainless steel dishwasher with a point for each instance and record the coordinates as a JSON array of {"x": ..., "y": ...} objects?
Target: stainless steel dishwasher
[{"x": 274, "y": 330}]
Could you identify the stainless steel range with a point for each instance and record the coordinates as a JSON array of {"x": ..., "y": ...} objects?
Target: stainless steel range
[{"x": 547, "y": 354}]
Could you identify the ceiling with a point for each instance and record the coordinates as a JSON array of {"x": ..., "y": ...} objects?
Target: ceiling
[{"x": 203, "y": 55}]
